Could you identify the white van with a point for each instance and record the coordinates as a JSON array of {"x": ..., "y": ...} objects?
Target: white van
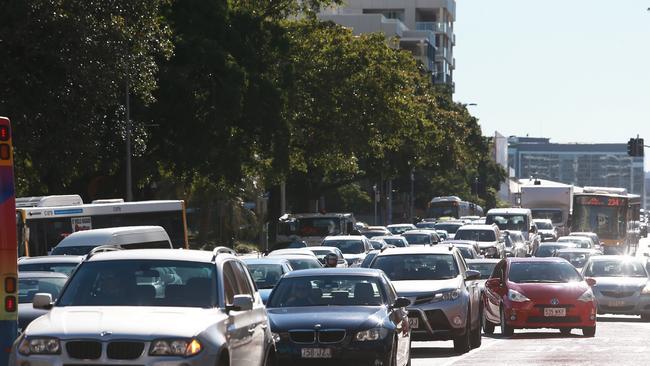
[{"x": 127, "y": 237}]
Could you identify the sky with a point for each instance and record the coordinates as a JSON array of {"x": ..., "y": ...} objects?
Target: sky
[{"x": 571, "y": 70}]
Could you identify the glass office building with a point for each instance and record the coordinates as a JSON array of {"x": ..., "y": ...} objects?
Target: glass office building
[{"x": 601, "y": 165}]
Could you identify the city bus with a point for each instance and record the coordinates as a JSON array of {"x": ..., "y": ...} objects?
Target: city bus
[
  {"x": 452, "y": 206},
  {"x": 41, "y": 223},
  {"x": 609, "y": 212},
  {"x": 8, "y": 256},
  {"x": 312, "y": 228}
]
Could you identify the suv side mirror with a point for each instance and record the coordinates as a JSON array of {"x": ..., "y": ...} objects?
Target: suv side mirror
[
  {"x": 401, "y": 302},
  {"x": 42, "y": 301},
  {"x": 590, "y": 281},
  {"x": 472, "y": 275},
  {"x": 532, "y": 230},
  {"x": 241, "y": 303}
]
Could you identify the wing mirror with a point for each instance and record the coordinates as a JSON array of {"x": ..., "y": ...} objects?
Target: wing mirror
[
  {"x": 472, "y": 275},
  {"x": 590, "y": 281},
  {"x": 42, "y": 301},
  {"x": 401, "y": 302},
  {"x": 241, "y": 303}
]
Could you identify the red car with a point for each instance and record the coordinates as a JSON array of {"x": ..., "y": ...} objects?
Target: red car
[{"x": 538, "y": 293}]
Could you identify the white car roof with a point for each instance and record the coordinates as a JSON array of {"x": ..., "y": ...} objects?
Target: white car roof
[
  {"x": 400, "y": 225},
  {"x": 345, "y": 237},
  {"x": 391, "y": 237},
  {"x": 476, "y": 227},
  {"x": 156, "y": 254},
  {"x": 297, "y": 251},
  {"x": 115, "y": 235},
  {"x": 506, "y": 211},
  {"x": 51, "y": 259},
  {"x": 419, "y": 249},
  {"x": 419, "y": 231},
  {"x": 323, "y": 247}
]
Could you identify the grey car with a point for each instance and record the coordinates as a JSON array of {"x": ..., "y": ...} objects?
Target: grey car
[
  {"x": 621, "y": 285},
  {"x": 444, "y": 293},
  {"x": 31, "y": 283},
  {"x": 110, "y": 314}
]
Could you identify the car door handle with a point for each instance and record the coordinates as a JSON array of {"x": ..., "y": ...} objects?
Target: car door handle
[{"x": 251, "y": 330}]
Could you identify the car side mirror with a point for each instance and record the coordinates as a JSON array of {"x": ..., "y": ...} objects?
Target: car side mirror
[
  {"x": 532, "y": 230},
  {"x": 590, "y": 281},
  {"x": 401, "y": 302},
  {"x": 472, "y": 275},
  {"x": 241, "y": 303},
  {"x": 42, "y": 301}
]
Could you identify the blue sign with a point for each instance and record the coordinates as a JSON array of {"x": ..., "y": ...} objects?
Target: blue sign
[{"x": 69, "y": 212}]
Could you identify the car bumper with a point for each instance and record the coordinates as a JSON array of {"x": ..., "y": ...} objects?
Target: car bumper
[
  {"x": 627, "y": 305},
  {"x": 439, "y": 321},
  {"x": 530, "y": 315},
  {"x": 343, "y": 353}
]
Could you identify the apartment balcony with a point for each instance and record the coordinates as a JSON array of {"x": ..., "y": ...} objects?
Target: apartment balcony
[{"x": 436, "y": 27}]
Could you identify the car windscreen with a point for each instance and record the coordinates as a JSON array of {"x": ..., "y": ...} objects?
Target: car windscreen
[
  {"x": 466, "y": 252},
  {"x": 508, "y": 222},
  {"x": 579, "y": 242},
  {"x": 368, "y": 259},
  {"x": 542, "y": 225},
  {"x": 575, "y": 258},
  {"x": 450, "y": 228},
  {"x": 304, "y": 263},
  {"x": 615, "y": 268},
  {"x": 398, "y": 242},
  {"x": 327, "y": 291},
  {"x": 404, "y": 267},
  {"x": 347, "y": 246},
  {"x": 72, "y": 250},
  {"x": 426, "y": 225},
  {"x": 65, "y": 268},
  {"x": 142, "y": 283},
  {"x": 376, "y": 244},
  {"x": 321, "y": 253},
  {"x": 486, "y": 269},
  {"x": 418, "y": 239},
  {"x": 547, "y": 250},
  {"x": 28, "y": 287},
  {"x": 476, "y": 235},
  {"x": 265, "y": 275},
  {"x": 396, "y": 230},
  {"x": 543, "y": 272}
]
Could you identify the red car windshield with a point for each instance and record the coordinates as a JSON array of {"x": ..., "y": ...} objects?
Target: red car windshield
[{"x": 543, "y": 272}]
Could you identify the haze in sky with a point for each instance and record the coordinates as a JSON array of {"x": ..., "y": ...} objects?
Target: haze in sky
[{"x": 571, "y": 70}]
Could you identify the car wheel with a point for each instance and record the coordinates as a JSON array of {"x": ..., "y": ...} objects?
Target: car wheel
[
  {"x": 224, "y": 360},
  {"x": 645, "y": 317},
  {"x": 589, "y": 331},
  {"x": 506, "y": 330},
  {"x": 462, "y": 344},
  {"x": 392, "y": 360},
  {"x": 565, "y": 331},
  {"x": 488, "y": 326},
  {"x": 476, "y": 339}
]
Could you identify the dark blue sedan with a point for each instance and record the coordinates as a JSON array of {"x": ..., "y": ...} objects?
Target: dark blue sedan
[{"x": 350, "y": 315}]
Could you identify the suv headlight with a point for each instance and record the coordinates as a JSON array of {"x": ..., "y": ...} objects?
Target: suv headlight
[
  {"x": 491, "y": 249},
  {"x": 175, "y": 347},
  {"x": 516, "y": 296},
  {"x": 40, "y": 346},
  {"x": 588, "y": 296},
  {"x": 370, "y": 335},
  {"x": 646, "y": 290},
  {"x": 446, "y": 295}
]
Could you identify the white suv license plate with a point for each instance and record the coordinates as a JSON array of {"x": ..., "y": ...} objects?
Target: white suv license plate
[
  {"x": 414, "y": 323},
  {"x": 554, "y": 312},
  {"x": 316, "y": 353}
]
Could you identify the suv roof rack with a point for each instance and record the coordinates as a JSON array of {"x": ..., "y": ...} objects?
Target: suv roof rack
[
  {"x": 222, "y": 250},
  {"x": 103, "y": 248}
]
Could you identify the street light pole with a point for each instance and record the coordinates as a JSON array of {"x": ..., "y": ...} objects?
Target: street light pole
[{"x": 129, "y": 191}]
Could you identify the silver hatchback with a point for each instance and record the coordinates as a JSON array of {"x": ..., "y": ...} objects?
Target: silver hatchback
[{"x": 111, "y": 313}]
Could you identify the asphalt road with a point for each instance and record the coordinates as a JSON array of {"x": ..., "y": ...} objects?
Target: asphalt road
[{"x": 619, "y": 340}]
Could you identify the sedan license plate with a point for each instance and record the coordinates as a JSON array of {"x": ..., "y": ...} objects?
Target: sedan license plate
[
  {"x": 616, "y": 303},
  {"x": 316, "y": 353},
  {"x": 554, "y": 312},
  {"x": 414, "y": 323}
]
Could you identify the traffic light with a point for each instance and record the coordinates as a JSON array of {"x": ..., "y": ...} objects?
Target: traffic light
[{"x": 635, "y": 147}]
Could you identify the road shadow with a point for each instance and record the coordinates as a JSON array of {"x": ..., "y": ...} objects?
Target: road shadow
[
  {"x": 536, "y": 335},
  {"x": 612, "y": 319},
  {"x": 432, "y": 352}
]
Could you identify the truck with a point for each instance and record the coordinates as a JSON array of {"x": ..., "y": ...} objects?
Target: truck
[{"x": 549, "y": 200}]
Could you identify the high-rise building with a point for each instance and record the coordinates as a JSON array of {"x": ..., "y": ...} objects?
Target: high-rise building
[
  {"x": 599, "y": 165},
  {"x": 424, "y": 27}
]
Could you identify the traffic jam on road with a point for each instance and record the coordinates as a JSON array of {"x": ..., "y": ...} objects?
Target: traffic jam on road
[{"x": 347, "y": 293}]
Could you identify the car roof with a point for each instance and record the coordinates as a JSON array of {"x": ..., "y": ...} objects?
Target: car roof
[
  {"x": 582, "y": 233},
  {"x": 398, "y": 237},
  {"x": 550, "y": 243},
  {"x": 452, "y": 222},
  {"x": 291, "y": 251},
  {"x": 616, "y": 257},
  {"x": 535, "y": 259},
  {"x": 398, "y": 225},
  {"x": 574, "y": 237},
  {"x": 157, "y": 254},
  {"x": 506, "y": 211},
  {"x": 477, "y": 227},
  {"x": 322, "y": 247},
  {"x": 577, "y": 250},
  {"x": 482, "y": 260},
  {"x": 40, "y": 274},
  {"x": 298, "y": 256},
  {"x": 419, "y": 249},
  {"x": 418, "y": 231},
  {"x": 334, "y": 272},
  {"x": 345, "y": 237},
  {"x": 51, "y": 259},
  {"x": 454, "y": 242},
  {"x": 266, "y": 260},
  {"x": 97, "y": 237}
]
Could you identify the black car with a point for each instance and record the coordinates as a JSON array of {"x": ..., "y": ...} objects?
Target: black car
[
  {"x": 31, "y": 283},
  {"x": 350, "y": 315}
]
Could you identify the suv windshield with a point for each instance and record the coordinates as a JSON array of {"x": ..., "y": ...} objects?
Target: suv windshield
[
  {"x": 548, "y": 250},
  {"x": 486, "y": 269},
  {"x": 142, "y": 283},
  {"x": 347, "y": 246},
  {"x": 65, "y": 268},
  {"x": 406, "y": 267},
  {"x": 476, "y": 235},
  {"x": 265, "y": 275},
  {"x": 327, "y": 291},
  {"x": 543, "y": 225},
  {"x": 508, "y": 222},
  {"x": 418, "y": 239},
  {"x": 450, "y": 228},
  {"x": 615, "y": 268},
  {"x": 543, "y": 272}
]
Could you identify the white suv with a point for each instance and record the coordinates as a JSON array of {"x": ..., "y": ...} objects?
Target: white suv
[
  {"x": 487, "y": 236},
  {"x": 151, "y": 306}
]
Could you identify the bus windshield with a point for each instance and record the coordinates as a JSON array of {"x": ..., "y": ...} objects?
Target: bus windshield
[
  {"x": 443, "y": 209},
  {"x": 606, "y": 221},
  {"x": 508, "y": 222},
  {"x": 318, "y": 226}
]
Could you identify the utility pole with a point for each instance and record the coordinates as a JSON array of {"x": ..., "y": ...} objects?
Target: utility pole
[
  {"x": 376, "y": 198},
  {"x": 129, "y": 192},
  {"x": 412, "y": 197}
]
